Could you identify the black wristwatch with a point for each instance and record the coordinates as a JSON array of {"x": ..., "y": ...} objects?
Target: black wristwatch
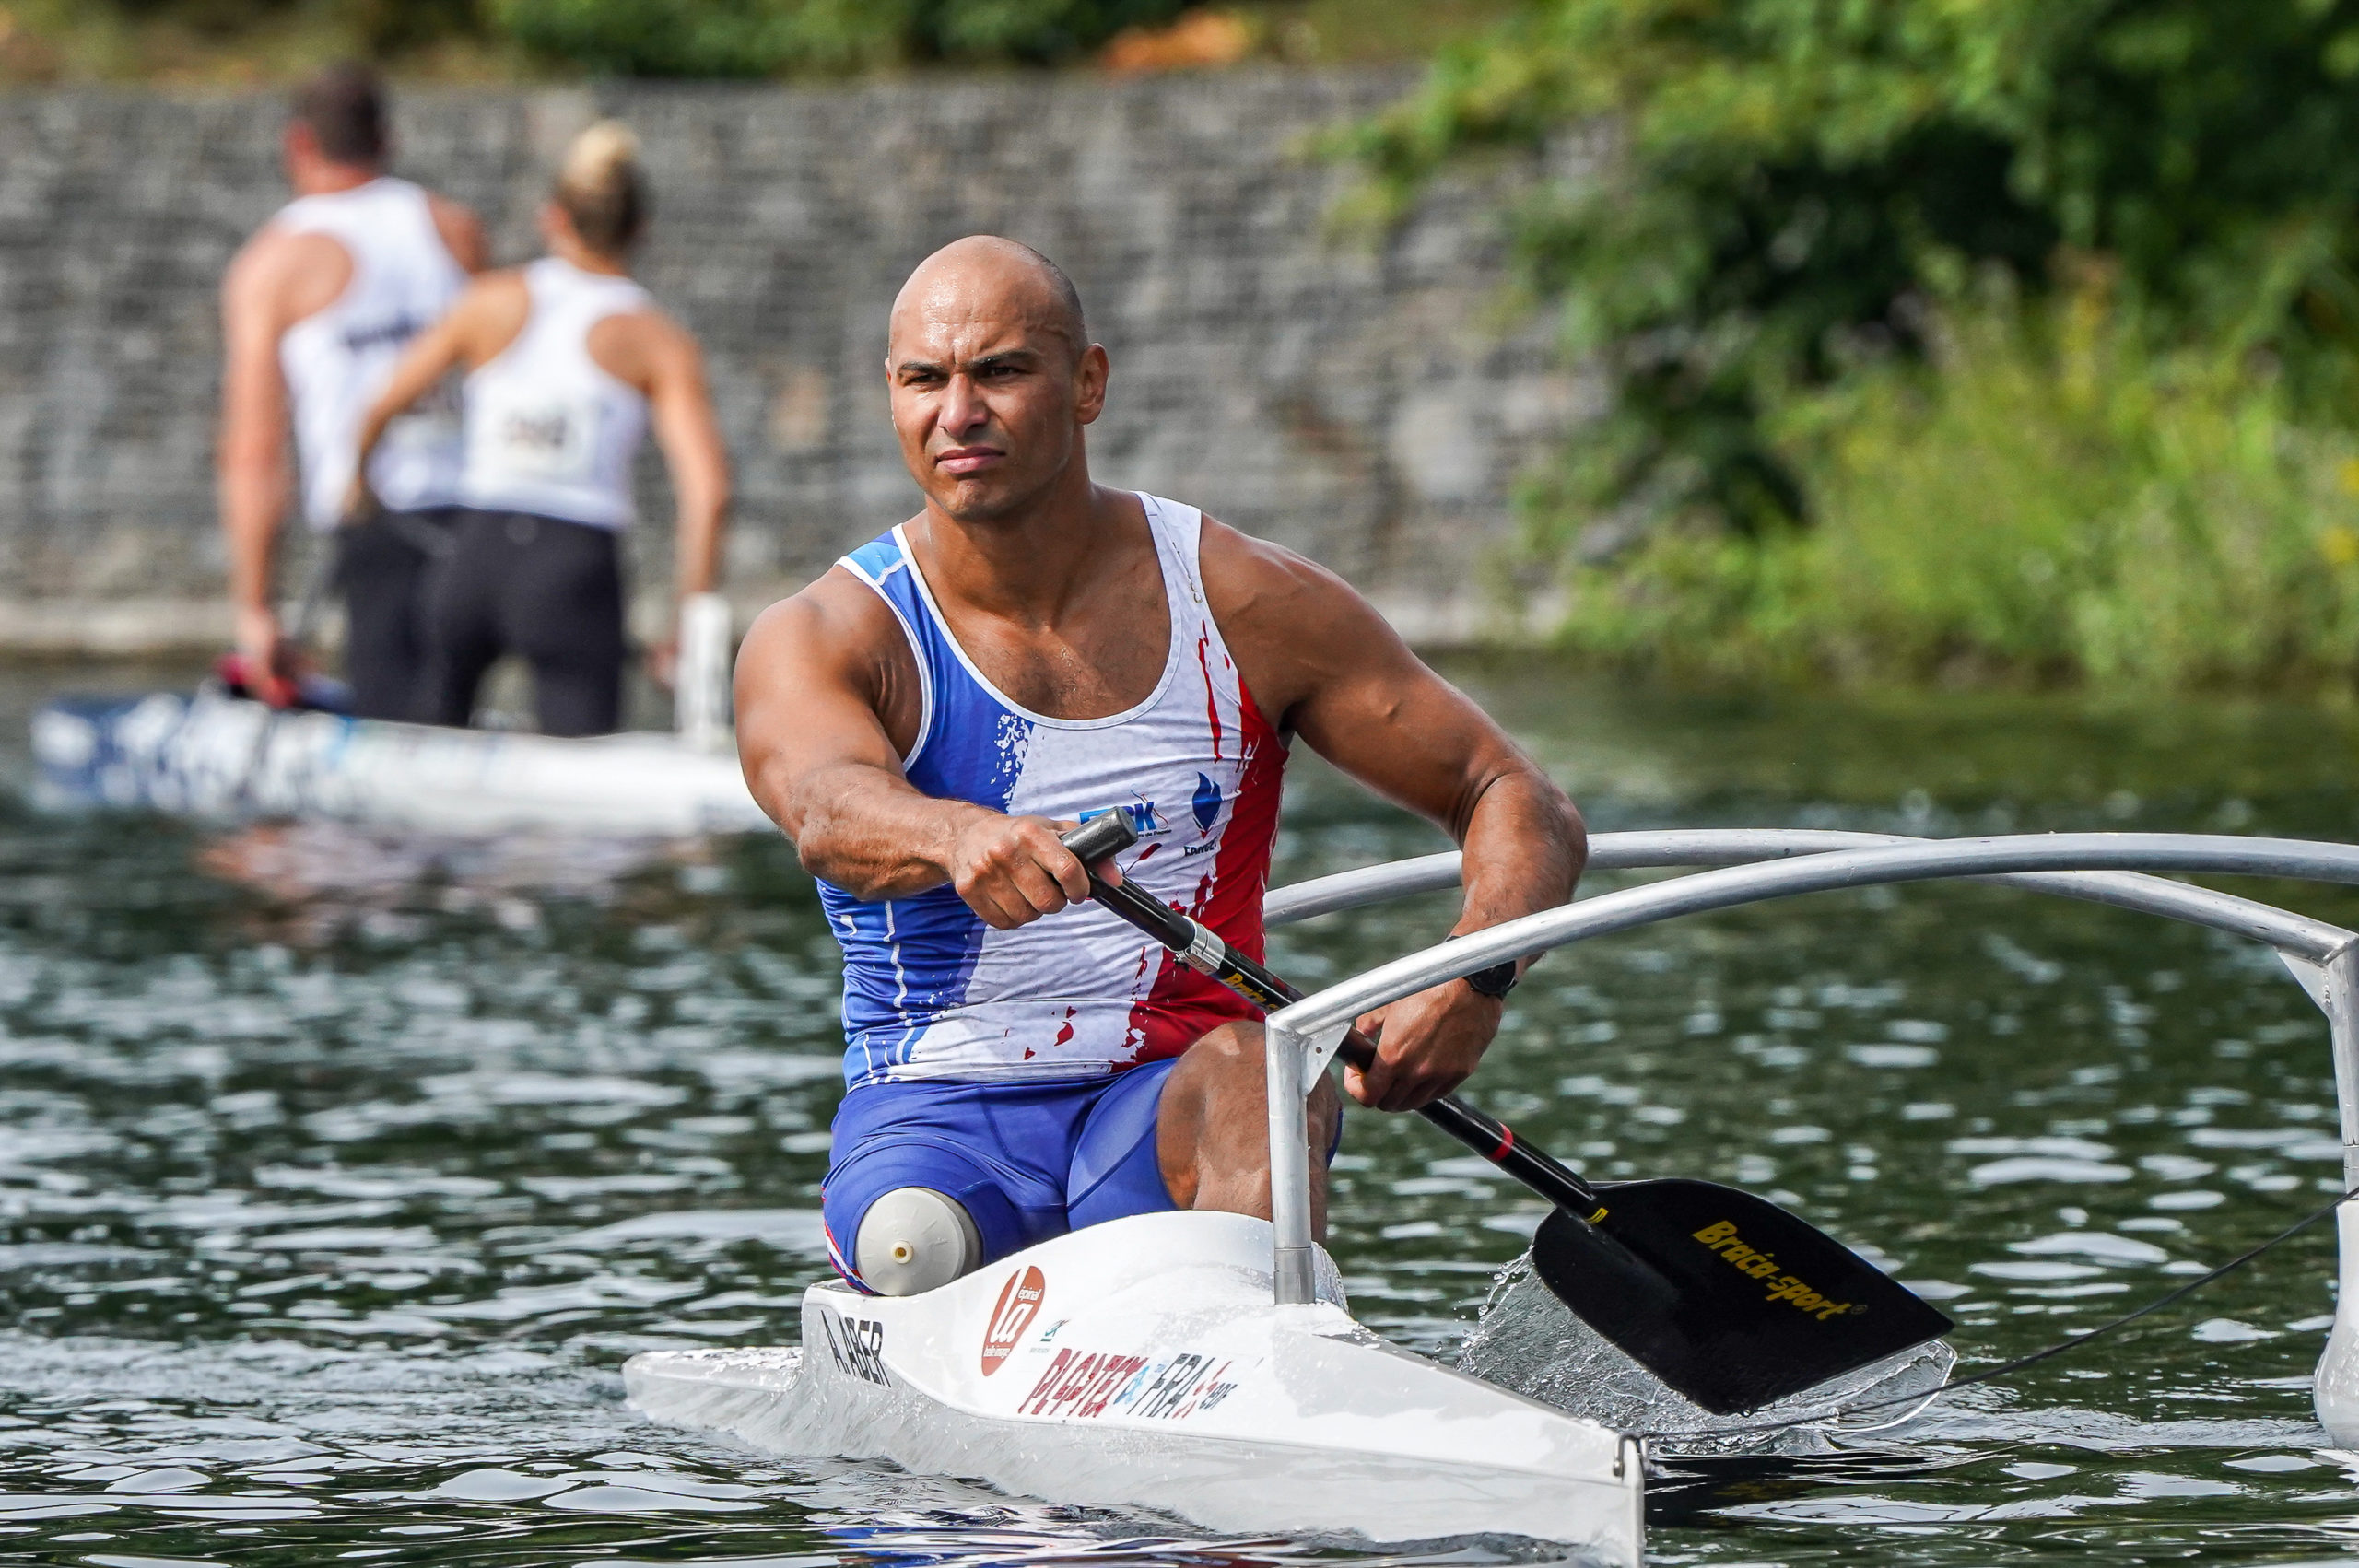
[{"x": 1496, "y": 981}]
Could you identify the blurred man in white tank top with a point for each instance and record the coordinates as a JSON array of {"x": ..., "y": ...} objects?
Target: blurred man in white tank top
[
  {"x": 315, "y": 310},
  {"x": 568, "y": 363}
]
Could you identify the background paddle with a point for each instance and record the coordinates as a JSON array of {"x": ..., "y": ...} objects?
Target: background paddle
[
  {"x": 1726, "y": 1297},
  {"x": 281, "y": 694},
  {"x": 302, "y": 692}
]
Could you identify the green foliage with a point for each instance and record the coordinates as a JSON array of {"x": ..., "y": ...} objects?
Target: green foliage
[
  {"x": 2048, "y": 498},
  {"x": 699, "y": 38},
  {"x": 633, "y": 37},
  {"x": 760, "y": 37},
  {"x": 1784, "y": 183}
]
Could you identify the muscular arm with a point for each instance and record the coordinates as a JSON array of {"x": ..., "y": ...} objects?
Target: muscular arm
[
  {"x": 1325, "y": 665},
  {"x": 462, "y": 232},
  {"x": 826, "y": 699},
  {"x": 251, "y": 466},
  {"x": 275, "y": 281},
  {"x": 431, "y": 356},
  {"x": 681, "y": 410},
  {"x": 486, "y": 319}
]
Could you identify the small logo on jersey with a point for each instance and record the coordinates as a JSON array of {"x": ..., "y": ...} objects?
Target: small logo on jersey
[
  {"x": 1143, "y": 817},
  {"x": 391, "y": 332},
  {"x": 1207, "y": 803},
  {"x": 1019, "y": 1304}
]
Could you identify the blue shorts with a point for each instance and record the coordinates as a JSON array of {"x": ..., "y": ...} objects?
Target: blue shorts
[{"x": 1029, "y": 1160}]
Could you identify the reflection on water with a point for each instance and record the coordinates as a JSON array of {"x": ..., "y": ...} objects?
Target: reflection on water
[
  {"x": 328, "y": 870},
  {"x": 338, "y": 1174}
]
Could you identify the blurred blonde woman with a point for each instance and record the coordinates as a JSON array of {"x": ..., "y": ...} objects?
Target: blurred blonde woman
[{"x": 567, "y": 361}]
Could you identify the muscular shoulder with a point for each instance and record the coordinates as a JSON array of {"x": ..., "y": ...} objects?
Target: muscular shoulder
[
  {"x": 490, "y": 313},
  {"x": 460, "y": 231},
  {"x": 281, "y": 276},
  {"x": 644, "y": 346},
  {"x": 832, "y": 620},
  {"x": 494, "y": 292},
  {"x": 837, "y": 633},
  {"x": 1290, "y": 623}
]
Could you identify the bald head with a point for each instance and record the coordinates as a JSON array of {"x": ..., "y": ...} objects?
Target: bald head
[
  {"x": 986, "y": 278},
  {"x": 992, "y": 378}
]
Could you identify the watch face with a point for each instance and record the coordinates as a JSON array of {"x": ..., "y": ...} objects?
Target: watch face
[{"x": 1496, "y": 981}]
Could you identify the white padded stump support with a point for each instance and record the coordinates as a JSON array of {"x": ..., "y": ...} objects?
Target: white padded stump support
[{"x": 914, "y": 1239}]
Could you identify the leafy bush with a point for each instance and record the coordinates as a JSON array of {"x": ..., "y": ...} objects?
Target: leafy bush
[
  {"x": 759, "y": 38},
  {"x": 1785, "y": 183},
  {"x": 635, "y": 38},
  {"x": 2045, "y": 497}
]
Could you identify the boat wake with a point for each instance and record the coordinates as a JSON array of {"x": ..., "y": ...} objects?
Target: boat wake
[{"x": 1526, "y": 1340}]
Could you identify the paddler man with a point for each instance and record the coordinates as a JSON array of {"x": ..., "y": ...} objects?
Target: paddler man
[
  {"x": 314, "y": 312},
  {"x": 568, "y": 362},
  {"x": 926, "y": 718}
]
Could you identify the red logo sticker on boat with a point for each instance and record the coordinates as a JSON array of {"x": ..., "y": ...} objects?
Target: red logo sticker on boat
[{"x": 1019, "y": 1304}]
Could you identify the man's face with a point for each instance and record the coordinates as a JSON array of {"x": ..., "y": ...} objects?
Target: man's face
[{"x": 989, "y": 397}]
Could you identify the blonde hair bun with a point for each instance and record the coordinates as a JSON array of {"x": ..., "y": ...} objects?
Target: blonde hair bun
[
  {"x": 598, "y": 152},
  {"x": 601, "y": 189}
]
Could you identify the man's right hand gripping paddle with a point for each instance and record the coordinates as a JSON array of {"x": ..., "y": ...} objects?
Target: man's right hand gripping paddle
[{"x": 1724, "y": 1296}]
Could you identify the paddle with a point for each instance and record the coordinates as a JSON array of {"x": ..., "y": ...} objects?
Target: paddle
[
  {"x": 315, "y": 588},
  {"x": 1725, "y": 1296},
  {"x": 426, "y": 538}
]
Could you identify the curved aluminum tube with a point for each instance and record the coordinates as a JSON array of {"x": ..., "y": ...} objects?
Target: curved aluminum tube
[
  {"x": 1644, "y": 850},
  {"x": 1371, "y": 885},
  {"x": 2288, "y": 932},
  {"x": 2323, "y": 957},
  {"x": 1906, "y": 862}
]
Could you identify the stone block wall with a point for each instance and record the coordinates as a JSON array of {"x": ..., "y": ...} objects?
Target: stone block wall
[{"x": 1366, "y": 398}]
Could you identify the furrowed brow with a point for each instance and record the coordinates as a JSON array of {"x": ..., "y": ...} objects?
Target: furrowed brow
[{"x": 1008, "y": 359}]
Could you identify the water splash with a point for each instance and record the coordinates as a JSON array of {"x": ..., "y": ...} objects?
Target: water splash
[{"x": 1527, "y": 1340}]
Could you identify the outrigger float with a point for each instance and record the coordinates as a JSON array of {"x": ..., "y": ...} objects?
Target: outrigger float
[
  {"x": 222, "y": 757},
  {"x": 1206, "y": 1365}
]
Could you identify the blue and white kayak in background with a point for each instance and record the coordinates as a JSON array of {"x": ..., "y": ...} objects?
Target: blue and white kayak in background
[
  {"x": 227, "y": 758},
  {"x": 223, "y": 758}
]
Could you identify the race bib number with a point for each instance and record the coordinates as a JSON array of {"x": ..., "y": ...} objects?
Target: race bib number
[{"x": 539, "y": 436}]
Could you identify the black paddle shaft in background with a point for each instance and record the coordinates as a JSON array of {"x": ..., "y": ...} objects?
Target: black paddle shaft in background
[{"x": 1724, "y": 1296}]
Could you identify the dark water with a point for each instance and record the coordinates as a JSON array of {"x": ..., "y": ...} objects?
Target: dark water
[{"x": 338, "y": 1177}]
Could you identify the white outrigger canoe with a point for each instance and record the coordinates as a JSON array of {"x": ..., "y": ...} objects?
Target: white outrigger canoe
[
  {"x": 223, "y": 758},
  {"x": 1206, "y": 1366},
  {"x": 1144, "y": 1362}
]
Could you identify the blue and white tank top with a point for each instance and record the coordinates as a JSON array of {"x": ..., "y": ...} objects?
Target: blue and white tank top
[{"x": 929, "y": 991}]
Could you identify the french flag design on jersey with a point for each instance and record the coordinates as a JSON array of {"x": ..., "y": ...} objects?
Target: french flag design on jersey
[{"x": 929, "y": 991}]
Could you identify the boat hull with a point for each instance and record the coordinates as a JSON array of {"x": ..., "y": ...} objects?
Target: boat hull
[
  {"x": 1143, "y": 1362},
  {"x": 222, "y": 757}
]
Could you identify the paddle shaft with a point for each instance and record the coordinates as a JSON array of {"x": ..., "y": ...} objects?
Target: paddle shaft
[
  {"x": 425, "y": 538},
  {"x": 1673, "y": 1276},
  {"x": 315, "y": 588},
  {"x": 1203, "y": 951}
]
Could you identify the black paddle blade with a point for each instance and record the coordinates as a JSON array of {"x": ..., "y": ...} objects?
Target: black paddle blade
[{"x": 1759, "y": 1304}]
